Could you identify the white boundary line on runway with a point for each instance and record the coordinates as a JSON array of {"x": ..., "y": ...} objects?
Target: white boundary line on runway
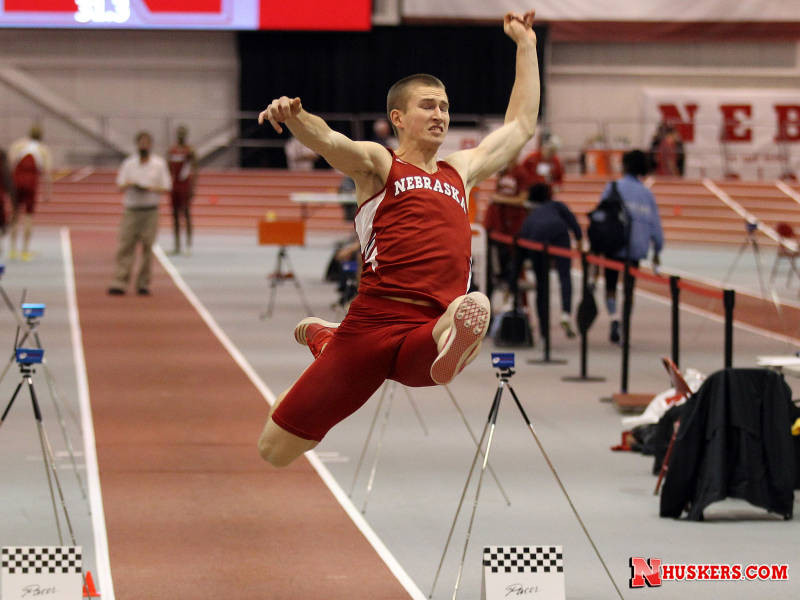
[
  {"x": 103, "y": 566},
  {"x": 576, "y": 274},
  {"x": 359, "y": 521},
  {"x": 715, "y": 317}
]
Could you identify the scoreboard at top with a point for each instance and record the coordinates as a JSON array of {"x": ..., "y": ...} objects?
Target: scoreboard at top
[{"x": 334, "y": 15}]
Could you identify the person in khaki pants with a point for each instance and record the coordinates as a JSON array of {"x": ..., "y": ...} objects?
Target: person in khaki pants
[{"x": 144, "y": 178}]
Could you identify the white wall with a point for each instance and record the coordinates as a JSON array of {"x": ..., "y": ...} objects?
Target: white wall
[
  {"x": 597, "y": 88},
  {"x": 126, "y": 80}
]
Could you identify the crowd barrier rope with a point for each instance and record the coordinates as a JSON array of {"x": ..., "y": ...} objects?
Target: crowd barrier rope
[{"x": 674, "y": 284}]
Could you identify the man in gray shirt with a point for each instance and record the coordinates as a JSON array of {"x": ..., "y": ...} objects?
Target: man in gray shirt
[{"x": 144, "y": 179}]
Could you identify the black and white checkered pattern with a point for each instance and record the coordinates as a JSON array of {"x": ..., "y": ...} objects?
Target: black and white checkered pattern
[
  {"x": 41, "y": 559},
  {"x": 524, "y": 559}
]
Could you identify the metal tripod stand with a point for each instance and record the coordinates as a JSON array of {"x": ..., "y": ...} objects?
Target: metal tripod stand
[
  {"x": 26, "y": 358},
  {"x": 391, "y": 386},
  {"x": 504, "y": 362},
  {"x": 32, "y": 314},
  {"x": 279, "y": 275},
  {"x": 749, "y": 241}
]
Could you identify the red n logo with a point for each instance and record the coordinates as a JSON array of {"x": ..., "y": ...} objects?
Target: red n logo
[
  {"x": 671, "y": 115},
  {"x": 644, "y": 571}
]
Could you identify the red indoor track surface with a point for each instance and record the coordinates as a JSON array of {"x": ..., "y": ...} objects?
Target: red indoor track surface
[{"x": 191, "y": 510}]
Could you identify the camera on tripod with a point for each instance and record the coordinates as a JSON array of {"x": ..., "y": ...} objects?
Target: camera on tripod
[
  {"x": 503, "y": 360},
  {"x": 32, "y": 311},
  {"x": 29, "y": 356}
]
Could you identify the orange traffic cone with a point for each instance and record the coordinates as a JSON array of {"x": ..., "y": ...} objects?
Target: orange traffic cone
[{"x": 89, "y": 590}]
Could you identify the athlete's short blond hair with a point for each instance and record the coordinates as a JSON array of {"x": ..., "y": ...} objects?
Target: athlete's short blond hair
[{"x": 397, "y": 97}]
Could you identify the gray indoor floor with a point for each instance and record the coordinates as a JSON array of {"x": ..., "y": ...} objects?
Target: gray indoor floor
[{"x": 420, "y": 474}]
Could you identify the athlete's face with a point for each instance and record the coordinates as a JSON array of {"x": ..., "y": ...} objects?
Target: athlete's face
[{"x": 426, "y": 117}]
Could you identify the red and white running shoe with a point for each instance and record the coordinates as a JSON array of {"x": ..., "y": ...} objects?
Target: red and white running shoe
[
  {"x": 314, "y": 333},
  {"x": 470, "y": 324}
]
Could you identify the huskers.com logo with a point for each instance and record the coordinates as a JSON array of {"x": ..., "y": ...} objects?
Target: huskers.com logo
[
  {"x": 651, "y": 572},
  {"x": 644, "y": 571}
]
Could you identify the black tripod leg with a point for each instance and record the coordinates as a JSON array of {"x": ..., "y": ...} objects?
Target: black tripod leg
[
  {"x": 47, "y": 456},
  {"x": 298, "y": 286},
  {"x": 493, "y": 420},
  {"x": 563, "y": 489},
  {"x": 273, "y": 285},
  {"x": 11, "y": 307},
  {"x": 490, "y": 421},
  {"x": 56, "y": 400},
  {"x": 49, "y": 459},
  {"x": 10, "y": 403},
  {"x": 475, "y": 441}
]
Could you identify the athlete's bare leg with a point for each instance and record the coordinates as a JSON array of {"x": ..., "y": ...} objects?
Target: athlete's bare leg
[
  {"x": 458, "y": 335},
  {"x": 27, "y": 228},
  {"x": 13, "y": 235},
  {"x": 279, "y": 447}
]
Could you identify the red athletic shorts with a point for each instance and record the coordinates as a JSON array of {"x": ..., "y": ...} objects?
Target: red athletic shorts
[
  {"x": 26, "y": 197},
  {"x": 181, "y": 196},
  {"x": 379, "y": 339}
]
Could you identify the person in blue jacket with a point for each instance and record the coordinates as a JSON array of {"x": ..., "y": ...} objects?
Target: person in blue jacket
[{"x": 645, "y": 227}]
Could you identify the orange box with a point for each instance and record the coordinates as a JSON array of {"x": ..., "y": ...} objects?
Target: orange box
[{"x": 282, "y": 233}]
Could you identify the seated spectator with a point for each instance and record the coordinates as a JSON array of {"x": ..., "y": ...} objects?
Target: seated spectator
[{"x": 550, "y": 222}]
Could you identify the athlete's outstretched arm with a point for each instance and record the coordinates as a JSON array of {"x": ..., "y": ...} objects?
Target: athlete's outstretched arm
[
  {"x": 359, "y": 160},
  {"x": 503, "y": 145}
]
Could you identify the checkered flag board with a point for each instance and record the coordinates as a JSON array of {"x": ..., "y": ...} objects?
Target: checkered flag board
[
  {"x": 51, "y": 571},
  {"x": 523, "y": 571}
]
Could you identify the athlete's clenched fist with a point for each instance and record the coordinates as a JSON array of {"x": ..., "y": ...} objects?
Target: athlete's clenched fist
[{"x": 279, "y": 111}]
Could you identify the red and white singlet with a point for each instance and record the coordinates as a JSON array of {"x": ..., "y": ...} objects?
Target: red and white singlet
[
  {"x": 415, "y": 235},
  {"x": 179, "y": 160}
]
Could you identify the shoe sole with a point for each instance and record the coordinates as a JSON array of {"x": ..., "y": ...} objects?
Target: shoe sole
[
  {"x": 470, "y": 323},
  {"x": 302, "y": 326}
]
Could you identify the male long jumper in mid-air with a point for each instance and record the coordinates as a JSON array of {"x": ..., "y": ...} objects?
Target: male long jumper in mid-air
[{"x": 412, "y": 321}]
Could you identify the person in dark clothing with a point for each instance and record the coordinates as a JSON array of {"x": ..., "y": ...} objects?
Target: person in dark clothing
[{"x": 550, "y": 222}]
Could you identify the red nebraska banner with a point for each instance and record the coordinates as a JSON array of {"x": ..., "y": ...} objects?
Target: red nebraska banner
[{"x": 750, "y": 133}]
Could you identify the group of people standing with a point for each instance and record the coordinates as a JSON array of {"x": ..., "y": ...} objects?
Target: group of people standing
[
  {"x": 525, "y": 205},
  {"x": 26, "y": 175}
]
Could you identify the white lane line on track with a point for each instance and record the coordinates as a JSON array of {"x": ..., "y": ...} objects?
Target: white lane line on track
[
  {"x": 103, "y": 563},
  {"x": 337, "y": 491},
  {"x": 719, "y": 319}
]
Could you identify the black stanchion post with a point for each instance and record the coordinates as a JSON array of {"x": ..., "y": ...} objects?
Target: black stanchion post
[
  {"x": 583, "y": 328},
  {"x": 675, "y": 292},
  {"x": 728, "y": 300},
  {"x": 627, "y": 302},
  {"x": 584, "y": 331},
  {"x": 544, "y": 281}
]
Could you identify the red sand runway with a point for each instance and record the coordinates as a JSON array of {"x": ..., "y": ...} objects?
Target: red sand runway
[{"x": 191, "y": 510}]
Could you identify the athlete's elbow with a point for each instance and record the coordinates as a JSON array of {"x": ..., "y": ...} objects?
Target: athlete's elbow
[{"x": 527, "y": 124}]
